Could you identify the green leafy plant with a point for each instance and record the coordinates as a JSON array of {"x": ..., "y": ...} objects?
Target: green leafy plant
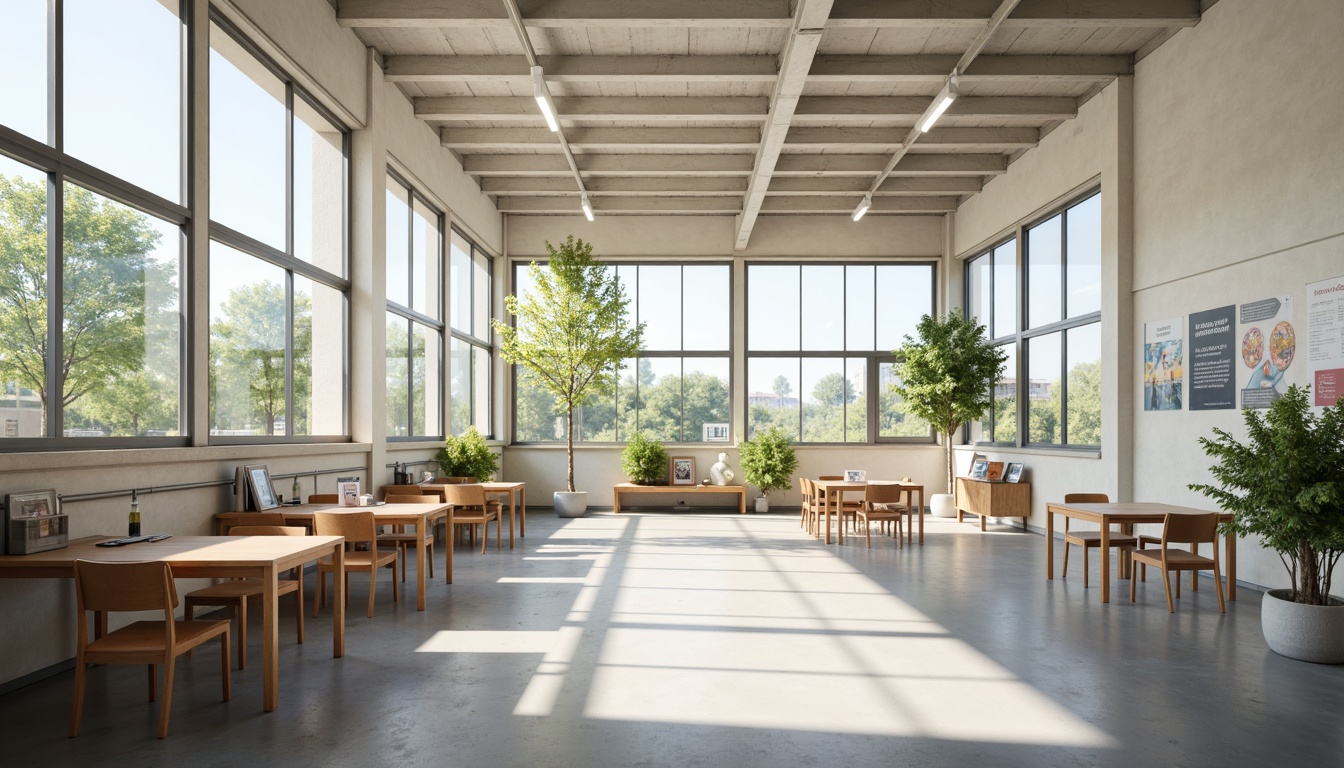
[
  {"x": 947, "y": 376},
  {"x": 768, "y": 460},
  {"x": 570, "y": 333},
  {"x": 467, "y": 456},
  {"x": 644, "y": 460},
  {"x": 1285, "y": 484}
]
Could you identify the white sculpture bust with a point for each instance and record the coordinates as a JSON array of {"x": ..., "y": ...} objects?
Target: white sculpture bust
[{"x": 720, "y": 472}]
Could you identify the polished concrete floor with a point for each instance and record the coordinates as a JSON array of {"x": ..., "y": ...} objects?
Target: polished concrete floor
[{"x": 726, "y": 640}]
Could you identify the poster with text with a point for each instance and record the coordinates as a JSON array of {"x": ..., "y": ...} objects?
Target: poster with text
[
  {"x": 1325, "y": 340},
  {"x": 1163, "y": 365},
  {"x": 1213, "y": 359},
  {"x": 1268, "y": 345}
]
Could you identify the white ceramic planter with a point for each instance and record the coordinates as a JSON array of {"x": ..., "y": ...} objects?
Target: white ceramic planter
[
  {"x": 570, "y": 503},
  {"x": 942, "y": 505},
  {"x": 1305, "y": 632},
  {"x": 762, "y": 504}
]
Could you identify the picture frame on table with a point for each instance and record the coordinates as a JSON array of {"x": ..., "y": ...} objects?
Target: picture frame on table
[
  {"x": 682, "y": 470},
  {"x": 1014, "y": 472},
  {"x": 994, "y": 472},
  {"x": 856, "y": 475},
  {"x": 348, "y": 492},
  {"x": 262, "y": 493},
  {"x": 41, "y": 503},
  {"x": 980, "y": 469}
]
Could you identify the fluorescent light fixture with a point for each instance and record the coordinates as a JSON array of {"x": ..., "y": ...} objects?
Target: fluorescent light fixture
[
  {"x": 942, "y": 101},
  {"x": 864, "y": 205},
  {"x": 587, "y": 206},
  {"x": 543, "y": 97}
]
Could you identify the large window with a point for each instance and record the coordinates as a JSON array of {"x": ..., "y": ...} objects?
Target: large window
[
  {"x": 414, "y": 313},
  {"x": 1044, "y": 308},
  {"x": 278, "y": 292},
  {"x": 677, "y": 390},
  {"x": 470, "y": 359},
  {"x": 91, "y": 221},
  {"x": 819, "y": 343}
]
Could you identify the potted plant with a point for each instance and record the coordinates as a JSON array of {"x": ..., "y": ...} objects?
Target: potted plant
[
  {"x": 467, "y": 456},
  {"x": 1285, "y": 484},
  {"x": 768, "y": 461},
  {"x": 644, "y": 460},
  {"x": 570, "y": 336},
  {"x": 946, "y": 377}
]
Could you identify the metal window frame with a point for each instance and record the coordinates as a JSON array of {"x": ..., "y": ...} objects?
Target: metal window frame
[
  {"x": 471, "y": 337},
  {"x": 413, "y": 317}
]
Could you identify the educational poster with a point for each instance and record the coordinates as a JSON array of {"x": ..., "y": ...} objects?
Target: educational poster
[
  {"x": 1325, "y": 340},
  {"x": 1268, "y": 345},
  {"x": 1163, "y": 365},
  {"x": 1213, "y": 354}
]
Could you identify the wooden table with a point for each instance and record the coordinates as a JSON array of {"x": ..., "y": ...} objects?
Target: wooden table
[
  {"x": 835, "y": 495},
  {"x": 1127, "y": 514},
  {"x": 422, "y": 516},
  {"x": 517, "y": 494},
  {"x": 629, "y": 488},
  {"x": 262, "y": 557}
]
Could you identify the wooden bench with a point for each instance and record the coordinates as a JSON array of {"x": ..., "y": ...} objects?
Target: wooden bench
[{"x": 678, "y": 490}]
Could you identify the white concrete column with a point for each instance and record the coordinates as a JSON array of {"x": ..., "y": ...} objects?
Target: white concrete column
[
  {"x": 196, "y": 282},
  {"x": 1117, "y": 297}
]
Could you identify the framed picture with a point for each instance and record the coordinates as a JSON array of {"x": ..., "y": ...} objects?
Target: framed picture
[
  {"x": 348, "y": 490},
  {"x": 1014, "y": 472},
  {"x": 856, "y": 476},
  {"x": 259, "y": 485},
  {"x": 683, "y": 470},
  {"x": 994, "y": 472},
  {"x": 32, "y": 504},
  {"x": 980, "y": 469}
]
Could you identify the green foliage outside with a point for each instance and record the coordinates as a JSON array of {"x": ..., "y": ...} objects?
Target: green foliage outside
[
  {"x": 768, "y": 461},
  {"x": 467, "y": 456},
  {"x": 570, "y": 334},
  {"x": 247, "y": 360},
  {"x": 1043, "y": 415},
  {"x": 644, "y": 460},
  {"x": 1285, "y": 484},
  {"x": 397, "y": 390}
]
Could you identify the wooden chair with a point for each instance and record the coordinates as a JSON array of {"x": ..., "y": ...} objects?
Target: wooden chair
[
  {"x": 1090, "y": 539},
  {"x": 233, "y": 594},
  {"x": 324, "y": 498},
  {"x": 356, "y": 527},
  {"x": 403, "y": 540},
  {"x": 403, "y": 490},
  {"x": 846, "y": 511},
  {"x": 807, "y": 508},
  {"x": 882, "y": 502},
  {"x": 1183, "y": 529},
  {"x": 471, "y": 507},
  {"x": 117, "y": 587}
]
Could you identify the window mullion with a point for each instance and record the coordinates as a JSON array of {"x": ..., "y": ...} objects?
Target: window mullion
[
  {"x": 289, "y": 356},
  {"x": 54, "y": 372}
]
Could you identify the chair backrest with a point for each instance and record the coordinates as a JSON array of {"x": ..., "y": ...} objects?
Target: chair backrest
[
  {"x": 1190, "y": 529},
  {"x": 354, "y": 526},
  {"x": 265, "y": 518},
  {"x": 464, "y": 495},
  {"x": 453, "y": 480},
  {"x": 424, "y": 498},
  {"x": 883, "y": 493},
  {"x": 144, "y": 586},
  {"x": 268, "y": 530},
  {"x": 1086, "y": 498},
  {"x": 807, "y": 489},
  {"x": 324, "y": 498}
]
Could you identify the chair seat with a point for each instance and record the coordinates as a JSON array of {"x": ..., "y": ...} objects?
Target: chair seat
[
  {"x": 148, "y": 637},
  {"x": 1176, "y": 558},
  {"x": 397, "y": 538},
  {"x": 361, "y": 559},
  {"x": 232, "y": 590},
  {"x": 1093, "y": 539}
]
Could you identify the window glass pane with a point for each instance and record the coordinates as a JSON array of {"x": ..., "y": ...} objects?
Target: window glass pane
[
  {"x": 459, "y": 283},
  {"x": 480, "y": 388},
  {"x": 398, "y": 380},
  {"x": 705, "y": 395},
  {"x": 772, "y": 394},
  {"x": 23, "y": 90},
  {"x": 1084, "y": 254},
  {"x": 856, "y": 411},
  {"x": 425, "y": 260},
  {"x": 772, "y": 308},
  {"x": 892, "y": 421},
  {"x": 1005, "y": 289},
  {"x": 1043, "y": 273},
  {"x": 480, "y": 327},
  {"x": 823, "y": 308},
  {"x": 319, "y": 359},
  {"x": 979, "y": 291},
  {"x": 707, "y": 317},
  {"x": 398, "y": 243},
  {"x": 1004, "y": 418},
  {"x": 535, "y": 415},
  {"x": 419, "y": 392},
  {"x": 859, "y": 312},
  {"x": 247, "y": 344},
  {"x": 826, "y": 392},
  {"x": 660, "y": 306},
  {"x": 248, "y": 125},
  {"x": 319, "y": 190},
  {"x": 907, "y": 294},
  {"x": 23, "y": 299},
  {"x": 598, "y": 419},
  {"x": 628, "y": 275},
  {"x": 1043, "y": 389},
  {"x": 1084, "y": 406},
  {"x": 122, "y": 322},
  {"x": 123, "y": 90},
  {"x": 459, "y": 387},
  {"x": 658, "y": 411}
]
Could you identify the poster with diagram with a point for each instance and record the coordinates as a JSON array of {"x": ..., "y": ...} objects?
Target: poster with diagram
[
  {"x": 1325, "y": 340},
  {"x": 1163, "y": 364},
  {"x": 1268, "y": 346}
]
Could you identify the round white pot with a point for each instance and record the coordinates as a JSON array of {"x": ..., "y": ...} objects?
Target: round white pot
[
  {"x": 762, "y": 504},
  {"x": 942, "y": 505},
  {"x": 1305, "y": 632},
  {"x": 570, "y": 503}
]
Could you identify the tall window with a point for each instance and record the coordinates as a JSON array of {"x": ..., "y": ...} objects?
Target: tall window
[
  {"x": 278, "y": 287},
  {"x": 1049, "y": 321},
  {"x": 677, "y": 390},
  {"x": 469, "y": 355},
  {"x": 91, "y": 222},
  {"x": 414, "y": 313},
  {"x": 819, "y": 343}
]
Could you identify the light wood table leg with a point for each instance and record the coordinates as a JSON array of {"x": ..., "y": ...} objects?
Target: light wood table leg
[
  {"x": 448, "y": 548},
  {"x": 742, "y": 502},
  {"x": 1049, "y": 544},
  {"x": 522, "y": 504},
  {"x": 270, "y": 640},
  {"x": 1230, "y": 555},
  {"x": 1105, "y": 561},
  {"x": 421, "y": 564},
  {"x": 338, "y": 593},
  {"x": 617, "y": 503},
  {"x": 513, "y": 515}
]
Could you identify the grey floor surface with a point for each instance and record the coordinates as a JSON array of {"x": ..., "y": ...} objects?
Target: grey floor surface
[{"x": 726, "y": 640}]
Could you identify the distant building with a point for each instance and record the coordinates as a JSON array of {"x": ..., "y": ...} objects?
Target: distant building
[
  {"x": 1037, "y": 389},
  {"x": 771, "y": 400},
  {"x": 20, "y": 412}
]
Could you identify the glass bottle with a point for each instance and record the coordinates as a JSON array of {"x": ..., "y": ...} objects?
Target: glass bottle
[
  {"x": 133, "y": 529},
  {"x": 296, "y": 492}
]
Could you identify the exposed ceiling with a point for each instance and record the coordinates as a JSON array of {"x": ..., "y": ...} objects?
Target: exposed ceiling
[{"x": 751, "y": 107}]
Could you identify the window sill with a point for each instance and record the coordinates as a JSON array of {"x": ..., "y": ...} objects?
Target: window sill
[
  {"x": 1009, "y": 450},
  {"x": 134, "y": 457}
]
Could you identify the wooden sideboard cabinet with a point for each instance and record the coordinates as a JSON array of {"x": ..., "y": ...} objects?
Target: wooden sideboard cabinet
[{"x": 986, "y": 499}]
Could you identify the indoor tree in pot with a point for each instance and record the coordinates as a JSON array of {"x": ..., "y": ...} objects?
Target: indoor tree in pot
[
  {"x": 467, "y": 456},
  {"x": 570, "y": 336},
  {"x": 1285, "y": 484},
  {"x": 768, "y": 461},
  {"x": 946, "y": 377},
  {"x": 644, "y": 460}
]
